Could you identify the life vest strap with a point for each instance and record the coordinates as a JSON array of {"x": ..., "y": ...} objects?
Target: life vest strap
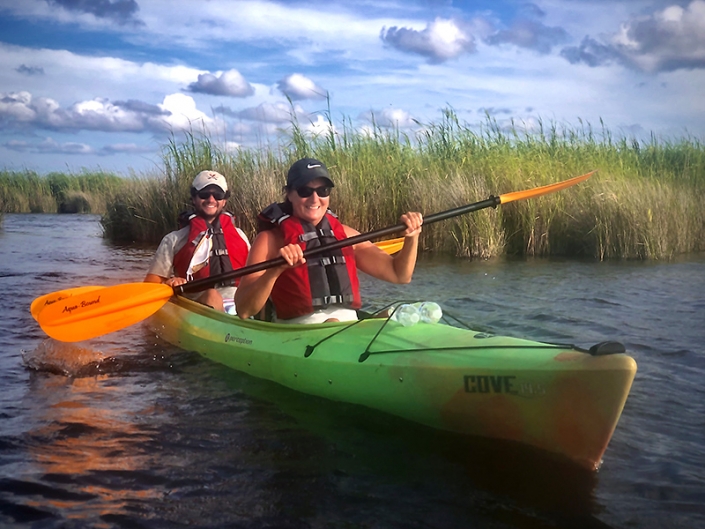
[
  {"x": 331, "y": 300},
  {"x": 332, "y": 260},
  {"x": 317, "y": 234}
]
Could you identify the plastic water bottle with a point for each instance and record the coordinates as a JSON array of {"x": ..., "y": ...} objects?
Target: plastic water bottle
[
  {"x": 406, "y": 314},
  {"x": 430, "y": 312}
]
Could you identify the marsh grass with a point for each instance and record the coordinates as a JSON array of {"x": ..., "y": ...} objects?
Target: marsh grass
[
  {"x": 643, "y": 203},
  {"x": 29, "y": 192}
]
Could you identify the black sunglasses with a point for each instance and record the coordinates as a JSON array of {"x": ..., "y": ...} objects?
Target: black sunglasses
[
  {"x": 218, "y": 195},
  {"x": 322, "y": 191}
]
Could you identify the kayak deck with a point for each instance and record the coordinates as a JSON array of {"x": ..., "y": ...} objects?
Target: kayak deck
[{"x": 553, "y": 397}]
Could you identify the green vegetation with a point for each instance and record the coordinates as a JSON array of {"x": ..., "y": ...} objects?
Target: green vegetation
[
  {"x": 28, "y": 192},
  {"x": 643, "y": 203}
]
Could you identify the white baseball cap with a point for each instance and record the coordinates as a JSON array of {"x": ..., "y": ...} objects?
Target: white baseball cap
[{"x": 207, "y": 178}]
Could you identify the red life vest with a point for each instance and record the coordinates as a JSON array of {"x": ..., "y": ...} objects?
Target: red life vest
[
  {"x": 329, "y": 279},
  {"x": 229, "y": 250}
]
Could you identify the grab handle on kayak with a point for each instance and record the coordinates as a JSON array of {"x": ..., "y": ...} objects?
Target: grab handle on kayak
[{"x": 607, "y": 348}]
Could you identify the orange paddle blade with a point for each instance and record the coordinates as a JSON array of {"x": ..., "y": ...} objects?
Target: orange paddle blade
[
  {"x": 543, "y": 190},
  {"x": 390, "y": 246},
  {"x": 46, "y": 300},
  {"x": 97, "y": 312}
]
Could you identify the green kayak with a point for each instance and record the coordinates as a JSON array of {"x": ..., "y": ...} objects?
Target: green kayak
[{"x": 554, "y": 397}]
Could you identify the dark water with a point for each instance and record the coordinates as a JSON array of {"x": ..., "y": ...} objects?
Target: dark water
[{"x": 125, "y": 431}]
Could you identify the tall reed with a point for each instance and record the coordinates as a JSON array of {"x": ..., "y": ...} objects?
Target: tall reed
[
  {"x": 644, "y": 201},
  {"x": 29, "y": 192}
]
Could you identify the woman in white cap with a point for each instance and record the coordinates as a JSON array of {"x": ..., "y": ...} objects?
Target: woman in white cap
[
  {"x": 209, "y": 245},
  {"x": 327, "y": 287}
]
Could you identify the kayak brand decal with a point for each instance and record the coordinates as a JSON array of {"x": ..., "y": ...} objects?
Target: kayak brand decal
[
  {"x": 237, "y": 339},
  {"x": 502, "y": 384},
  {"x": 82, "y": 305},
  {"x": 531, "y": 389},
  {"x": 490, "y": 384}
]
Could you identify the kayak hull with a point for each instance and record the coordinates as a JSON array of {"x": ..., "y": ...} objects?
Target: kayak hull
[{"x": 554, "y": 398}]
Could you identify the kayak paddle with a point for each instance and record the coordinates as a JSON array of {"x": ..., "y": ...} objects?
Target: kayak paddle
[
  {"x": 92, "y": 313},
  {"x": 40, "y": 303},
  {"x": 390, "y": 246}
]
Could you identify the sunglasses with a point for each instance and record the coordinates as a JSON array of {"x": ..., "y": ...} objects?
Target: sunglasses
[
  {"x": 205, "y": 195},
  {"x": 322, "y": 191}
]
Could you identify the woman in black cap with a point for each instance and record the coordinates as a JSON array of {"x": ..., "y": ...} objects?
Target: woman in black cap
[{"x": 327, "y": 287}]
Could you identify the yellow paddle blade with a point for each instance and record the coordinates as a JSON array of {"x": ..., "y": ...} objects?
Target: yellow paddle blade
[
  {"x": 97, "y": 312},
  {"x": 543, "y": 190},
  {"x": 44, "y": 301},
  {"x": 391, "y": 246}
]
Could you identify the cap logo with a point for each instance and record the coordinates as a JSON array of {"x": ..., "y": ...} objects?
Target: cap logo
[{"x": 312, "y": 166}]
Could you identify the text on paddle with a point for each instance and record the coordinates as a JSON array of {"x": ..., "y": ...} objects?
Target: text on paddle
[{"x": 82, "y": 305}]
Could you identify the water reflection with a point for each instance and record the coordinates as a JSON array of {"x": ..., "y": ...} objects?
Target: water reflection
[
  {"x": 498, "y": 479},
  {"x": 88, "y": 438}
]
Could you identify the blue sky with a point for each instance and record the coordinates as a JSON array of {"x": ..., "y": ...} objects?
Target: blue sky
[{"x": 104, "y": 83}]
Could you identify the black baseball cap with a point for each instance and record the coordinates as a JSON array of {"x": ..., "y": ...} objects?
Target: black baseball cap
[{"x": 305, "y": 170}]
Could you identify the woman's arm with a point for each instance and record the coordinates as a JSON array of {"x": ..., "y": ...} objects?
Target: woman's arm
[
  {"x": 394, "y": 269},
  {"x": 254, "y": 289}
]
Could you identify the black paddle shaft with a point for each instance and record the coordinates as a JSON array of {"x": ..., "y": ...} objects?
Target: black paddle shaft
[{"x": 210, "y": 282}]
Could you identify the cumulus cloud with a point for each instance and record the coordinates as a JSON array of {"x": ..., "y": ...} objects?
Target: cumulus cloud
[
  {"x": 298, "y": 86},
  {"x": 120, "y": 11},
  {"x": 231, "y": 147},
  {"x": 182, "y": 113},
  {"x": 439, "y": 41},
  {"x": 319, "y": 127},
  {"x": 390, "y": 118},
  {"x": 666, "y": 40},
  {"x": 176, "y": 112},
  {"x": 230, "y": 83}
]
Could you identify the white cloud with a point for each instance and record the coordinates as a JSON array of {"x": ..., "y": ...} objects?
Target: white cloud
[
  {"x": 15, "y": 106},
  {"x": 68, "y": 76},
  {"x": 183, "y": 114},
  {"x": 667, "y": 40},
  {"x": 390, "y": 118},
  {"x": 176, "y": 112},
  {"x": 231, "y": 147},
  {"x": 230, "y": 83},
  {"x": 319, "y": 127},
  {"x": 298, "y": 86},
  {"x": 439, "y": 41}
]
